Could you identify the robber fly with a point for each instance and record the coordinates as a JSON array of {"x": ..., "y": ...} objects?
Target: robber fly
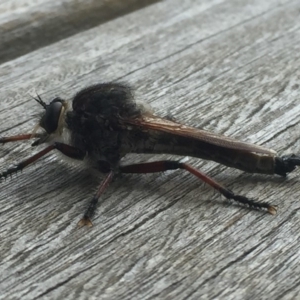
[{"x": 105, "y": 123}]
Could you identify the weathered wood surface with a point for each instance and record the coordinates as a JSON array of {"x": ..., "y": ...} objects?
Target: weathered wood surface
[
  {"x": 28, "y": 25},
  {"x": 227, "y": 66}
]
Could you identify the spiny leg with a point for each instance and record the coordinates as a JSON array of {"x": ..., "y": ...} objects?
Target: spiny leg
[
  {"x": 86, "y": 220},
  {"x": 64, "y": 148},
  {"x": 165, "y": 165}
]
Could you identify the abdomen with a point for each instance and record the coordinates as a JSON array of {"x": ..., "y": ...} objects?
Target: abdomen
[{"x": 158, "y": 142}]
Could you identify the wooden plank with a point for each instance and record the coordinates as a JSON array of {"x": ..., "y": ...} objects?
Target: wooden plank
[
  {"x": 227, "y": 66},
  {"x": 26, "y": 25}
]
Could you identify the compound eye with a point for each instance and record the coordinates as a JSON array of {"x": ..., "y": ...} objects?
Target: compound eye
[{"x": 50, "y": 119}]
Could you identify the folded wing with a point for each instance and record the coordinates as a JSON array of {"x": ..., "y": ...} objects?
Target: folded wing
[{"x": 151, "y": 122}]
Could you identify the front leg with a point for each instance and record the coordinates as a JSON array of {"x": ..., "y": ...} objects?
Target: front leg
[{"x": 67, "y": 150}]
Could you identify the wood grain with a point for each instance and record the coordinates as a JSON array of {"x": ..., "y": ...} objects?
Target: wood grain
[
  {"x": 26, "y": 25},
  {"x": 227, "y": 66}
]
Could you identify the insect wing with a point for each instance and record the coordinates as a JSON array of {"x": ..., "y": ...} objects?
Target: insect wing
[{"x": 163, "y": 125}]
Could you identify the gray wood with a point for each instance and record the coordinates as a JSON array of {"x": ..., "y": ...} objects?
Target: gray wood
[
  {"x": 227, "y": 66},
  {"x": 26, "y": 25}
]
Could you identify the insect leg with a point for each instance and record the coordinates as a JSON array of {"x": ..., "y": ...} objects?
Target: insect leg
[
  {"x": 20, "y": 137},
  {"x": 165, "y": 165},
  {"x": 64, "y": 148},
  {"x": 86, "y": 220}
]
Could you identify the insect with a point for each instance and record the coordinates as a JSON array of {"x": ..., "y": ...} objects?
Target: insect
[{"x": 105, "y": 123}]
